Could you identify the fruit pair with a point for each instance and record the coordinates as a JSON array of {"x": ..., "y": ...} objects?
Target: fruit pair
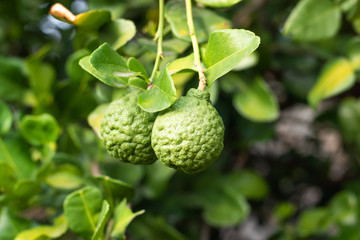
[{"x": 187, "y": 136}]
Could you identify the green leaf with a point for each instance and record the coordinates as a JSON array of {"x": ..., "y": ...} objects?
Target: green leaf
[
  {"x": 138, "y": 83},
  {"x": 349, "y": 118},
  {"x": 72, "y": 66},
  {"x": 312, "y": 221},
  {"x": 26, "y": 188},
  {"x": 343, "y": 208},
  {"x": 353, "y": 52},
  {"x": 123, "y": 217},
  {"x": 118, "y": 32},
  {"x": 218, "y": 3},
  {"x": 105, "y": 215},
  {"x": 65, "y": 176},
  {"x": 161, "y": 95},
  {"x": 95, "y": 117},
  {"x": 11, "y": 225},
  {"x": 110, "y": 80},
  {"x": 313, "y": 20},
  {"x": 15, "y": 153},
  {"x": 6, "y": 118},
  {"x": 248, "y": 183},
  {"x": 205, "y": 21},
  {"x": 226, "y": 49},
  {"x": 184, "y": 63},
  {"x": 82, "y": 209},
  {"x": 55, "y": 231},
  {"x": 228, "y": 210},
  {"x": 114, "y": 189},
  {"x": 39, "y": 129},
  {"x": 255, "y": 101},
  {"x": 92, "y": 19},
  {"x": 135, "y": 65},
  {"x": 7, "y": 177},
  {"x": 336, "y": 77},
  {"x": 284, "y": 210}
]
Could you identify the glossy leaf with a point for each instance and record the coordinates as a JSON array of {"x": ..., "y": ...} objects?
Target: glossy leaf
[
  {"x": 138, "y": 83},
  {"x": 226, "y": 49},
  {"x": 161, "y": 95},
  {"x": 92, "y": 19},
  {"x": 255, "y": 101},
  {"x": 313, "y": 20},
  {"x": 55, "y": 231},
  {"x": 16, "y": 154},
  {"x": 205, "y": 21},
  {"x": 123, "y": 217},
  {"x": 110, "y": 80},
  {"x": 82, "y": 209},
  {"x": 135, "y": 65},
  {"x": 95, "y": 117},
  {"x": 6, "y": 118},
  {"x": 11, "y": 225},
  {"x": 39, "y": 129},
  {"x": 65, "y": 176},
  {"x": 118, "y": 32},
  {"x": 105, "y": 215},
  {"x": 184, "y": 63},
  {"x": 218, "y": 3},
  {"x": 336, "y": 77},
  {"x": 114, "y": 189}
]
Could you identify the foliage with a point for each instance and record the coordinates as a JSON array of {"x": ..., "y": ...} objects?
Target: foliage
[{"x": 272, "y": 68}]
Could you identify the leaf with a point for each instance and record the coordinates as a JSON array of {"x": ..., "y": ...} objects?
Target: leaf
[
  {"x": 7, "y": 177},
  {"x": 284, "y": 210},
  {"x": 218, "y": 3},
  {"x": 136, "y": 66},
  {"x": 123, "y": 217},
  {"x": 107, "y": 61},
  {"x": 11, "y": 225},
  {"x": 313, "y": 20},
  {"x": 82, "y": 209},
  {"x": 105, "y": 215},
  {"x": 184, "y": 63},
  {"x": 312, "y": 221},
  {"x": 255, "y": 101},
  {"x": 248, "y": 183},
  {"x": 55, "y": 231},
  {"x": 92, "y": 19},
  {"x": 73, "y": 69},
  {"x": 138, "y": 83},
  {"x": 110, "y": 80},
  {"x": 115, "y": 189},
  {"x": 336, "y": 77},
  {"x": 161, "y": 95},
  {"x": 343, "y": 208},
  {"x": 353, "y": 52},
  {"x": 65, "y": 176},
  {"x": 349, "y": 118},
  {"x": 6, "y": 118},
  {"x": 26, "y": 188},
  {"x": 39, "y": 129},
  {"x": 205, "y": 21},
  {"x": 95, "y": 117},
  {"x": 118, "y": 32},
  {"x": 226, "y": 49},
  {"x": 15, "y": 153}
]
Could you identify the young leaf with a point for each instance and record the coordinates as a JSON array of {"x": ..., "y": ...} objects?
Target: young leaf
[
  {"x": 105, "y": 215},
  {"x": 110, "y": 80},
  {"x": 218, "y": 3},
  {"x": 118, "y": 32},
  {"x": 6, "y": 118},
  {"x": 255, "y": 101},
  {"x": 39, "y": 129},
  {"x": 82, "y": 209},
  {"x": 115, "y": 189},
  {"x": 184, "y": 63},
  {"x": 336, "y": 77},
  {"x": 161, "y": 95},
  {"x": 92, "y": 19},
  {"x": 55, "y": 231},
  {"x": 313, "y": 20},
  {"x": 123, "y": 217},
  {"x": 135, "y": 65},
  {"x": 205, "y": 21},
  {"x": 226, "y": 49}
]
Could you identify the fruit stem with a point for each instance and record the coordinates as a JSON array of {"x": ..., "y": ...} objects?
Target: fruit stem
[
  {"x": 159, "y": 38},
  {"x": 195, "y": 45}
]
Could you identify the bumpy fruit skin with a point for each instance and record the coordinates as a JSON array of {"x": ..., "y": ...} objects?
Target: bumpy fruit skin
[
  {"x": 189, "y": 135},
  {"x": 126, "y": 130}
]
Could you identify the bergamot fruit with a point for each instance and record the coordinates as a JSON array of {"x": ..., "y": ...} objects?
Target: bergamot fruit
[
  {"x": 126, "y": 130},
  {"x": 189, "y": 135}
]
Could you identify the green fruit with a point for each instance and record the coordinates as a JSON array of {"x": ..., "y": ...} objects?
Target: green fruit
[
  {"x": 189, "y": 135},
  {"x": 126, "y": 130}
]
